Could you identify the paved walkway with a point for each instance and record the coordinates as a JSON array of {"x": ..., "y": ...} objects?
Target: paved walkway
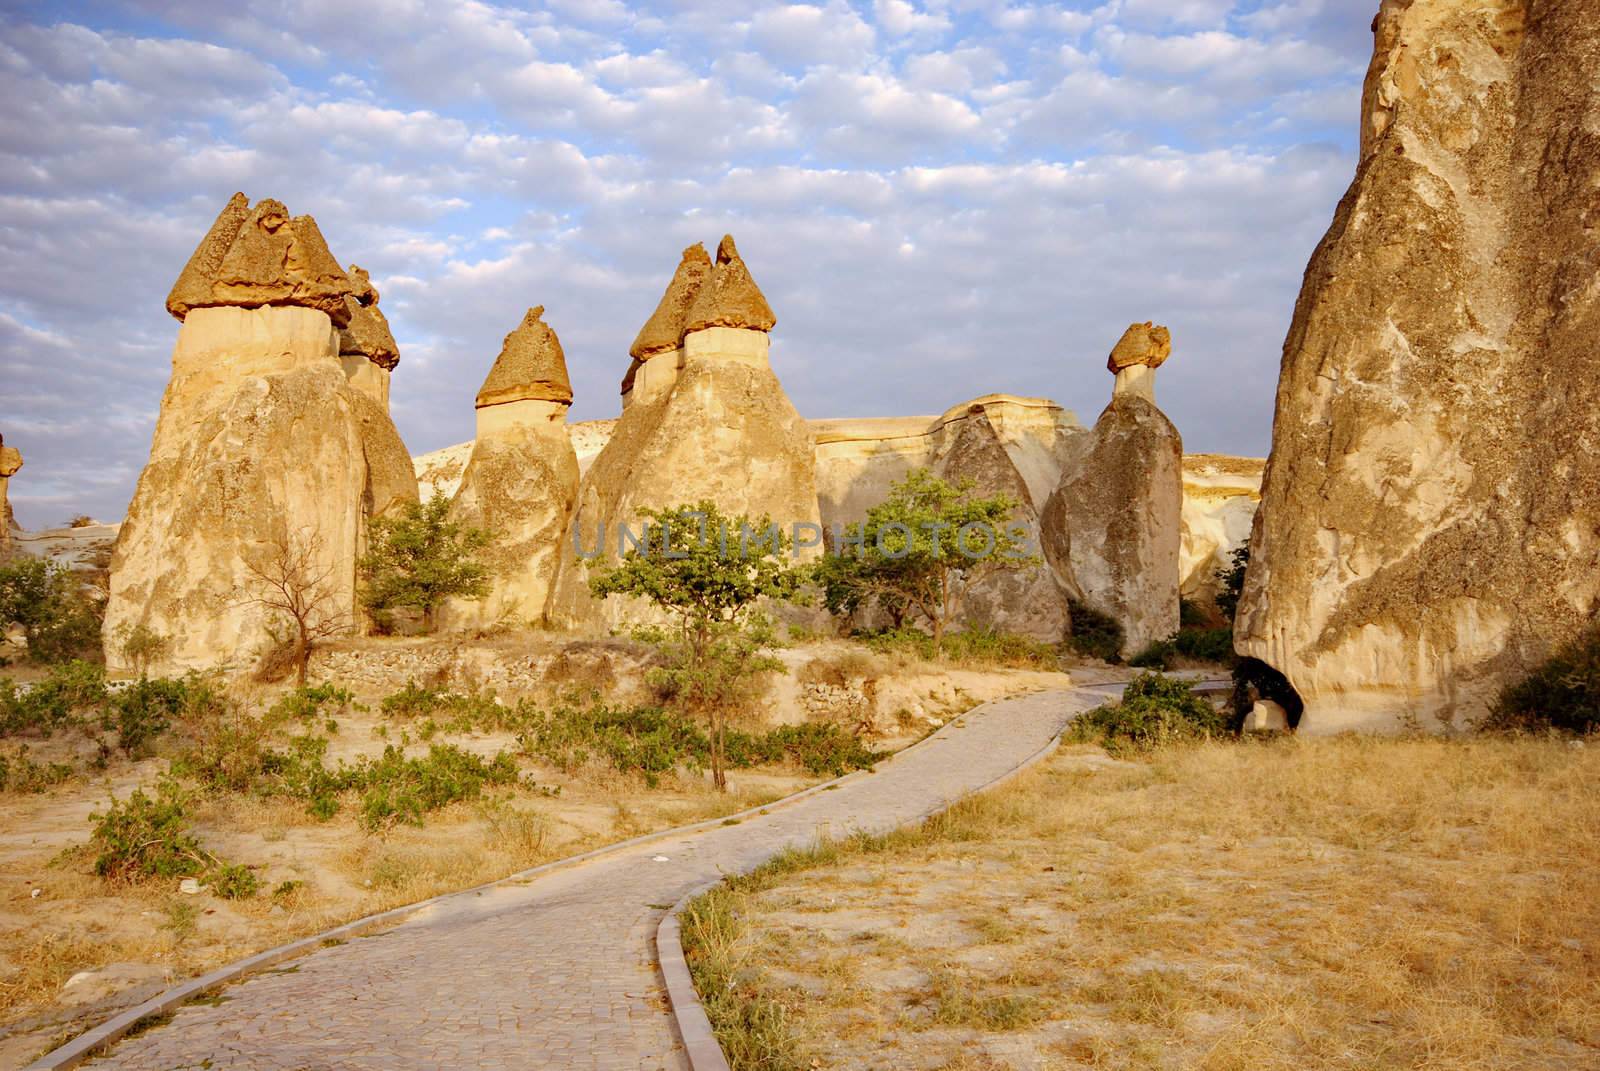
[{"x": 559, "y": 971}]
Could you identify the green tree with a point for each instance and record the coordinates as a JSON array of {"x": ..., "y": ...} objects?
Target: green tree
[
  {"x": 421, "y": 558},
  {"x": 707, "y": 570},
  {"x": 922, "y": 549},
  {"x": 1231, "y": 580},
  {"x": 58, "y": 616}
]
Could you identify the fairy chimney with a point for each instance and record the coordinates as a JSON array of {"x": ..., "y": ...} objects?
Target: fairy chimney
[{"x": 657, "y": 351}]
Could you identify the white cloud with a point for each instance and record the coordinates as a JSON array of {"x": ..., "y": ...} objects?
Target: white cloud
[{"x": 803, "y": 35}]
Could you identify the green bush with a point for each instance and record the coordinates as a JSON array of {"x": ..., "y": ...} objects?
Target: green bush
[
  {"x": 1191, "y": 615},
  {"x": 313, "y": 703},
  {"x": 819, "y": 748},
  {"x": 1231, "y": 581},
  {"x": 1155, "y": 711},
  {"x": 974, "y": 646},
  {"x": 1562, "y": 693},
  {"x": 143, "y": 711},
  {"x": 19, "y": 773},
  {"x": 60, "y": 619},
  {"x": 63, "y": 700},
  {"x": 396, "y": 788},
  {"x": 1094, "y": 634},
  {"x": 1206, "y": 644},
  {"x": 148, "y": 837},
  {"x": 1162, "y": 654},
  {"x": 229, "y": 748}
]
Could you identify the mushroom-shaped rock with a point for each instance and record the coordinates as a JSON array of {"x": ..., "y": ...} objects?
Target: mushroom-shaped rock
[
  {"x": 10, "y": 460},
  {"x": 276, "y": 260},
  {"x": 730, "y": 297},
  {"x": 367, "y": 334},
  {"x": 663, "y": 332},
  {"x": 1148, "y": 344},
  {"x": 194, "y": 284},
  {"x": 530, "y": 366}
]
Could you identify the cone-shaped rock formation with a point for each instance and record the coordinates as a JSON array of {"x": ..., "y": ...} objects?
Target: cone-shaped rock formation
[
  {"x": 730, "y": 298},
  {"x": 1430, "y": 517},
  {"x": 663, "y": 332},
  {"x": 1112, "y": 530},
  {"x": 531, "y": 366}
]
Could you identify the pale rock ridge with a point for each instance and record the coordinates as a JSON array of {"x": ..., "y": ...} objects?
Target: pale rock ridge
[
  {"x": 1430, "y": 520},
  {"x": 1220, "y": 496},
  {"x": 521, "y": 479},
  {"x": 252, "y": 258},
  {"x": 730, "y": 298},
  {"x": 1110, "y": 530},
  {"x": 531, "y": 366}
]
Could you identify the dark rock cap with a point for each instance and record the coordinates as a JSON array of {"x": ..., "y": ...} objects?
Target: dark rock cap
[{"x": 530, "y": 366}]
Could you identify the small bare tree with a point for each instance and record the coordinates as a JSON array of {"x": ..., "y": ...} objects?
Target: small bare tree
[{"x": 292, "y": 579}]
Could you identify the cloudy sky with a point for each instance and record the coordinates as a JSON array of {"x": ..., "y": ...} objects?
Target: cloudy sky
[{"x": 940, "y": 198}]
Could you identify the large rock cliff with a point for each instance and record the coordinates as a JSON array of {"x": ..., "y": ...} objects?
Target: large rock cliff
[{"x": 1430, "y": 521}]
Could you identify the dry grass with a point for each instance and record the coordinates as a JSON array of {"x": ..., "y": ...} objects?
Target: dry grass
[{"x": 1343, "y": 903}]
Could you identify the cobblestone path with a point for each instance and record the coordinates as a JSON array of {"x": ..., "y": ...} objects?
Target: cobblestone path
[{"x": 558, "y": 971}]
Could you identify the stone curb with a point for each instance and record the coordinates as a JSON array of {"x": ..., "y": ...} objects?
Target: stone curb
[
  {"x": 694, "y": 1026},
  {"x": 91, "y": 1042}
]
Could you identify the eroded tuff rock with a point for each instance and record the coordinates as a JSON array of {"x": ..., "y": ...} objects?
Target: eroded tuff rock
[
  {"x": 263, "y": 453},
  {"x": 252, "y": 258},
  {"x": 1145, "y": 344},
  {"x": 10, "y": 465},
  {"x": 367, "y": 333},
  {"x": 521, "y": 480},
  {"x": 663, "y": 332},
  {"x": 730, "y": 297},
  {"x": 531, "y": 366},
  {"x": 1220, "y": 496},
  {"x": 1025, "y": 601},
  {"x": 1430, "y": 520},
  {"x": 1110, "y": 530},
  {"x": 722, "y": 429}
]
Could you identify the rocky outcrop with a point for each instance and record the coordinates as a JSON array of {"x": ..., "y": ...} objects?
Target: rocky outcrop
[
  {"x": 722, "y": 430},
  {"x": 264, "y": 456},
  {"x": 662, "y": 334},
  {"x": 1430, "y": 519},
  {"x": 521, "y": 480},
  {"x": 1110, "y": 530},
  {"x": 252, "y": 258},
  {"x": 10, "y": 465},
  {"x": 1220, "y": 495},
  {"x": 367, "y": 348},
  {"x": 1024, "y": 601}
]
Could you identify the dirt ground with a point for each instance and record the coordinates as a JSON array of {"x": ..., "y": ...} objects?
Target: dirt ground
[
  {"x": 74, "y": 948},
  {"x": 1335, "y": 903}
]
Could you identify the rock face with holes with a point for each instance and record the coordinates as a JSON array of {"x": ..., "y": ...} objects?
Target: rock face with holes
[
  {"x": 1111, "y": 529},
  {"x": 264, "y": 457},
  {"x": 521, "y": 480},
  {"x": 720, "y": 428},
  {"x": 1430, "y": 519}
]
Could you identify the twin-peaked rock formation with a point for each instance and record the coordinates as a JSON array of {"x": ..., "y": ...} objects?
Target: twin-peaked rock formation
[
  {"x": 704, "y": 417},
  {"x": 267, "y": 454},
  {"x": 1111, "y": 530},
  {"x": 1430, "y": 520},
  {"x": 522, "y": 478}
]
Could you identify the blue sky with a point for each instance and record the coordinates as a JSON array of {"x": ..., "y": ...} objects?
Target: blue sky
[{"x": 940, "y": 199}]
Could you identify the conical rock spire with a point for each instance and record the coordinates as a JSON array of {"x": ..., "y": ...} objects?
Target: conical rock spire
[
  {"x": 262, "y": 257},
  {"x": 730, "y": 297},
  {"x": 664, "y": 330},
  {"x": 531, "y": 365}
]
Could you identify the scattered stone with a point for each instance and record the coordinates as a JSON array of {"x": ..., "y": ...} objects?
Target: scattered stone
[
  {"x": 1266, "y": 716},
  {"x": 190, "y": 886}
]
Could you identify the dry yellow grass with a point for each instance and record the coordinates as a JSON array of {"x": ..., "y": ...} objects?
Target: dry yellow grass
[{"x": 1347, "y": 903}]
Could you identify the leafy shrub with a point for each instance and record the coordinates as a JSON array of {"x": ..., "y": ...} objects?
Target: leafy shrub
[
  {"x": 401, "y": 789},
  {"x": 143, "y": 711},
  {"x": 1155, "y": 711},
  {"x": 62, "y": 700},
  {"x": 229, "y": 749},
  {"x": 19, "y": 773},
  {"x": 1094, "y": 634},
  {"x": 974, "y": 646},
  {"x": 455, "y": 712},
  {"x": 1192, "y": 615},
  {"x": 421, "y": 558},
  {"x": 1231, "y": 581},
  {"x": 818, "y": 747},
  {"x": 1562, "y": 693},
  {"x": 145, "y": 837},
  {"x": 58, "y": 616},
  {"x": 141, "y": 645},
  {"x": 1197, "y": 644},
  {"x": 313, "y": 703},
  {"x": 1162, "y": 654}
]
